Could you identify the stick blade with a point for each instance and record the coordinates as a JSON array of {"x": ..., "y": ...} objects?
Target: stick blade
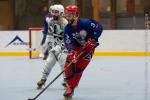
[{"x": 31, "y": 99}]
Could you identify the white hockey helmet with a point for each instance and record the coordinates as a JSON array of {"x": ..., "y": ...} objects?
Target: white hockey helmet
[
  {"x": 57, "y": 7},
  {"x": 50, "y": 8}
]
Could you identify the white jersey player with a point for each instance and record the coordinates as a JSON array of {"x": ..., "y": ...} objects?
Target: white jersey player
[{"x": 55, "y": 42}]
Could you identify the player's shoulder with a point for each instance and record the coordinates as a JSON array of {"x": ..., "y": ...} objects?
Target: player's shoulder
[
  {"x": 83, "y": 20},
  {"x": 48, "y": 19},
  {"x": 64, "y": 21},
  {"x": 86, "y": 23},
  {"x": 87, "y": 20}
]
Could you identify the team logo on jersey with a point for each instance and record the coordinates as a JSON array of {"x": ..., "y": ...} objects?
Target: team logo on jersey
[{"x": 17, "y": 41}]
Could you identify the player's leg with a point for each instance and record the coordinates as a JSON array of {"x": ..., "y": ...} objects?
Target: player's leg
[
  {"x": 61, "y": 61},
  {"x": 44, "y": 47},
  {"x": 49, "y": 64},
  {"x": 74, "y": 73},
  {"x": 69, "y": 73}
]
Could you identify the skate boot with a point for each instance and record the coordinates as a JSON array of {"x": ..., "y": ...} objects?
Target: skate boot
[
  {"x": 64, "y": 84},
  {"x": 68, "y": 93},
  {"x": 41, "y": 83}
]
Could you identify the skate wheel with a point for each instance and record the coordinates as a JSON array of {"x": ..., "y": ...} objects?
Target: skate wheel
[
  {"x": 67, "y": 97},
  {"x": 39, "y": 88}
]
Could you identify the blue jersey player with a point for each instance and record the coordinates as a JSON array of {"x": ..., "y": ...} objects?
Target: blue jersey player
[{"x": 81, "y": 39}]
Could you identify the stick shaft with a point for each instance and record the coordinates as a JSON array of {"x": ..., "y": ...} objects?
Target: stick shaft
[{"x": 54, "y": 79}]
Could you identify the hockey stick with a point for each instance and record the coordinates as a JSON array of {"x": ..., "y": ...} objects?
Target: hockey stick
[{"x": 54, "y": 79}]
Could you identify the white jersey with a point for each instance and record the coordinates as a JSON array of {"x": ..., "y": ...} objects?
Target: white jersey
[{"x": 55, "y": 33}]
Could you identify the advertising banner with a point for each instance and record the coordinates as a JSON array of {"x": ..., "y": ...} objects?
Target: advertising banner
[{"x": 14, "y": 41}]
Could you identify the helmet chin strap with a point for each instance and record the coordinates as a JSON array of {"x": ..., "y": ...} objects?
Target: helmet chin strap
[
  {"x": 71, "y": 22},
  {"x": 75, "y": 21}
]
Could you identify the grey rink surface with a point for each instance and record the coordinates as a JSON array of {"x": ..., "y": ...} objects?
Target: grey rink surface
[{"x": 105, "y": 78}]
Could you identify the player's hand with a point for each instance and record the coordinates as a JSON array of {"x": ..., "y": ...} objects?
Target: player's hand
[
  {"x": 73, "y": 56},
  {"x": 56, "y": 49},
  {"x": 90, "y": 44}
]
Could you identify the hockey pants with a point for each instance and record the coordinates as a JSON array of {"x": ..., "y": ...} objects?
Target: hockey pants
[
  {"x": 74, "y": 72},
  {"x": 51, "y": 61}
]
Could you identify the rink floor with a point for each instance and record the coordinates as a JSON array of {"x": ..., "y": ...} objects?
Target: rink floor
[{"x": 106, "y": 78}]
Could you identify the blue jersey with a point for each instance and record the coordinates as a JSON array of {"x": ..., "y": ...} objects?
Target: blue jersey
[{"x": 75, "y": 36}]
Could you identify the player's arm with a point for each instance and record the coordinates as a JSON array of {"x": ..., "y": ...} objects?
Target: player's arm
[
  {"x": 95, "y": 28},
  {"x": 45, "y": 30},
  {"x": 71, "y": 48},
  {"x": 96, "y": 31}
]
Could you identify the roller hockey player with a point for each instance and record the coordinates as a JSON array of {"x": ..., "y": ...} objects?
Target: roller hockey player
[
  {"x": 55, "y": 42},
  {"x": 81, "y": 39}
]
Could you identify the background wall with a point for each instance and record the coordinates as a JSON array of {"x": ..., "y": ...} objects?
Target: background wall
[{"x": 6, "y": 15}]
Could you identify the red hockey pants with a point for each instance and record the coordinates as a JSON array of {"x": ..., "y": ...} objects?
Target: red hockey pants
[{"x": 74, "y": 72}]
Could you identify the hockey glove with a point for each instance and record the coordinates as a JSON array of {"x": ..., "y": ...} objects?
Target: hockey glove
[
  {"x": 56, "y": 49},
  {"x": 73, "y": 56},
  {"x": 76, "y": 54},
  {"x": 91, "y": 44}
]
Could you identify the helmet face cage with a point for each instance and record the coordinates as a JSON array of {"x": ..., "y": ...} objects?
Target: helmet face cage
[{"x": 70, "y": 14}]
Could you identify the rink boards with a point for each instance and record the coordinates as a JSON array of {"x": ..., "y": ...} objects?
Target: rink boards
[
  {"x": 95, "y": 54},
  {"x": 112, "y": 43}
]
